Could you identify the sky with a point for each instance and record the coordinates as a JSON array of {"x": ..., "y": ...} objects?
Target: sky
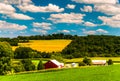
[{"x": 75, "y": 17}]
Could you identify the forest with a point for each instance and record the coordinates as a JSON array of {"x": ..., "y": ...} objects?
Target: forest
[{"x": 93, "y": 46}]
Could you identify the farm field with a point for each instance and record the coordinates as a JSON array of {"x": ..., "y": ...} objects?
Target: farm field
[
  {"x": 100, "y": 73},
  {"x": 45, "y": 45},
  {"x": 115, "y": 59}
]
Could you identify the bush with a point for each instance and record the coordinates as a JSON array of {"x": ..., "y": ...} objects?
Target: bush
[
  {"x": 110, "y": 62},
  {"x": 40, "y": 65},
  {"x": 18, "y": 68},
  {"x": 5, "y": 65},
  {"x": 28, "y": 65},
  {"x": 82, "y": 64},
  {"x": 87, "y": 61}
]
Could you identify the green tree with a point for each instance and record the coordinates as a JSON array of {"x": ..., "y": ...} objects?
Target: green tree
[
  {"x": 18, "y": 67},
  {"x": 28, "y": 65},
  {"x": 23, "y": 52},
  {"x": 6, "y": 54},
  {"x": 6, "y": 50},
  {"x": 110, "y": 62},
  {"x": 87, "y": 61},
  {"x": 40, "y": 65}
]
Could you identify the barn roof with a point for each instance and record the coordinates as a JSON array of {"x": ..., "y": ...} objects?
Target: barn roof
[{"x": 55, "y": 62}]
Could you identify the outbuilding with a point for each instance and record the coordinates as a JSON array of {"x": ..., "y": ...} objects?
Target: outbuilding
[
  {"x": 99, "y": 62},
  {"x": 53, "y": 64}
]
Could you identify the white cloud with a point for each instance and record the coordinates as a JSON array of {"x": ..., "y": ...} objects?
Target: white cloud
[
  {"x": 64, "y": 31},
  {"x": 20, "y": 16},
  {"x": 6, "y": 26},
  {"x": 108, "y": 9},
  {"x": 86, "y": 9},
  {"x": 101, "y": 31},
  {"x": 33, "y": 8},
  {"x": 90, "y": 32},
  {"x": 6, "y": 9},
  {"x": 43, "y": 25},
  {"x": 26, "y": 2},
  {"x": 70, "y": 6},
  {"x": 93, "y": 32},
  {"x": 97, "y": 1},
  {"x": 10, "y": 11},
  {"x": 67, "y": 18},
  {"x": 113, "y": 21},
  {"x": 89, "y": 24},
  {"x": 41, "y": 31},
  {"x": 17, "y": 2}
]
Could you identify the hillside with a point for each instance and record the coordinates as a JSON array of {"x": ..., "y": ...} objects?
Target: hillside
[
  {"x": 93, "y": 46},
  {"x": 45, "y": 45}
]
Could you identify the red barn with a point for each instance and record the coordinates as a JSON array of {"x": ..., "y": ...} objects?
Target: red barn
[{"x": 53, "y": 64}]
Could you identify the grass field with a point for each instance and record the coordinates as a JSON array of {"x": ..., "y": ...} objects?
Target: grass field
[
  {"x": 100, "y": 73},
  {"x": 93, "y": 58},
  {"x": 45, "y": 45}
]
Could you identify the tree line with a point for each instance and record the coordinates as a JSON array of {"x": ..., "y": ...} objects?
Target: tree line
[
  {"x": 93, "y": 46},
  {"x": 47, "y": 37},
  {"x": 23, "y": 39}
]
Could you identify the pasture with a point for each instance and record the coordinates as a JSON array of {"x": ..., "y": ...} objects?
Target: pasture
[
  {"x": 45, "y": 45},
  {"x": 100, "y": 73},
  {"x": 115, "y": 59}
]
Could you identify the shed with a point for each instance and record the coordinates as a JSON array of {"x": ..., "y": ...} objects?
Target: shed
[
  {"x": 99, "y": 62},
  {"x": 53, "y": 64}
]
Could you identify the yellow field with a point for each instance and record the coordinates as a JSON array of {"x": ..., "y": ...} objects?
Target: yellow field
[{"x": 45, "y": 45}]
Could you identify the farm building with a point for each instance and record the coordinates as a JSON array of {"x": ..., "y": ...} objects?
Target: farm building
[
  {"x": 53, "y": 64},
  {"x": 99, "y": 62}
]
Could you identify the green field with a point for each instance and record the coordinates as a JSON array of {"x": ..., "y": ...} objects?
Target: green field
[
  {"x": 115, "y": 59},
  {"x": 100, "y": 73},
  {"x": 45, "y": 45}
]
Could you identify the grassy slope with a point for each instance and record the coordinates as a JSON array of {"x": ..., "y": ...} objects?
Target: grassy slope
[
  {"x": 102, "y": 73},
  {"x": 46, "y": 45}
]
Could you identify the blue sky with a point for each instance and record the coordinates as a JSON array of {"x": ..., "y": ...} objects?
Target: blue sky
[{"x": 76, "y": 17}]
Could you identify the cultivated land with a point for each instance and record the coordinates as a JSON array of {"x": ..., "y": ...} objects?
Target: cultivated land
[
  {"x": 100, "y": 73},
  {"x": 45, "y": 45},
  {"x": 115, "y": 59}
]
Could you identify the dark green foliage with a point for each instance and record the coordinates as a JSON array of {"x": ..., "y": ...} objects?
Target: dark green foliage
[
  {"x": 82, "y": 64},
  {"x": 57, "y": 56},
  {"x": 6, "y": 50},
  {"x": 27, "y": 52},
  {"x": 87, "y": 61},
  {"x": 18, "y": 67},
  {"x": 5, "y": 65},
  {"x": 68, "y": 56},
  {"x": 110, "y": 62},
  {"x": 12, "y": 42},
  {"x": 40, "y": 65},
  {"x": 92, "y": 46},
  {"x": 28, "y": 65},
  {"x": 23, "y": 52},
  {"x": 6, "y": 54},
  {"x": 47, "y": 37}
]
